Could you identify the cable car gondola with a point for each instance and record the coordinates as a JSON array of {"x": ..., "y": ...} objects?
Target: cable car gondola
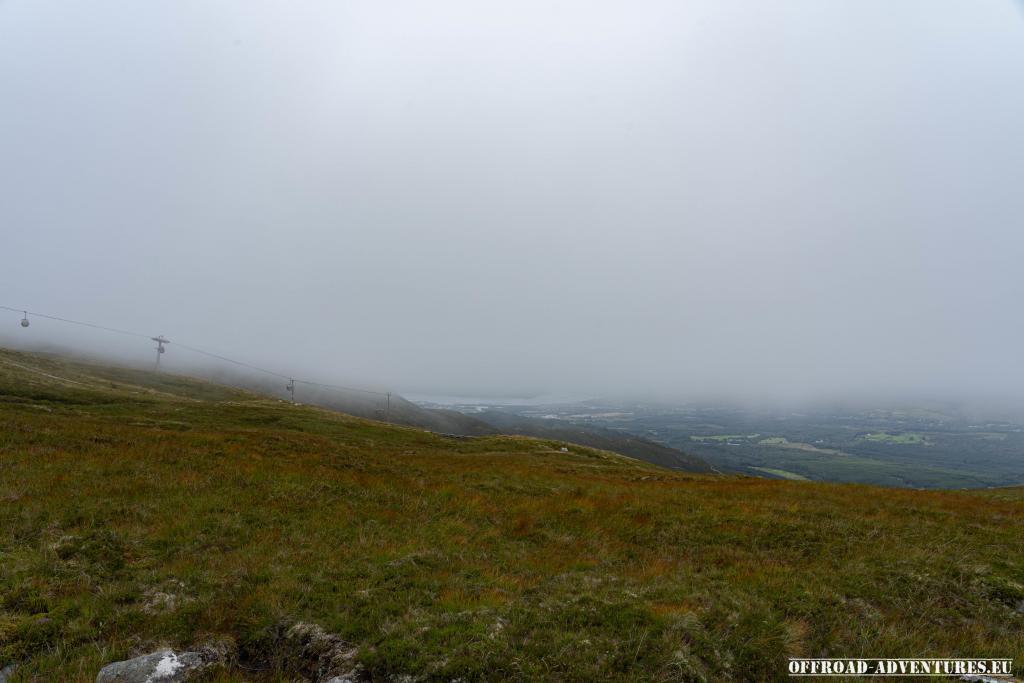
[{"x": 24, "y": 320}]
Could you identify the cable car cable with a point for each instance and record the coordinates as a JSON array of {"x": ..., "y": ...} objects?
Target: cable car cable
[{"x": 335, "y": 387}]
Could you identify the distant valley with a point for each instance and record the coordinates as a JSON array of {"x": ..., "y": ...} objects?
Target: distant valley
[{"x": 905, "y": 447}]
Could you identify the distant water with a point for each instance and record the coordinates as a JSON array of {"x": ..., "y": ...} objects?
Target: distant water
[{"x": 452, "y": 400}]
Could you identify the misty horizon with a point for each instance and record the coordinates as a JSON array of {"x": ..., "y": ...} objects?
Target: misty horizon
[{"x": 715, "y": 200}]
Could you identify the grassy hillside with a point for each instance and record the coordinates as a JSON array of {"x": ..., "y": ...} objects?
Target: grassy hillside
[
  {"x": 138, "y": 510},
  {"x": 395, "y": 409},
  {"x": 363, "y": 404}
]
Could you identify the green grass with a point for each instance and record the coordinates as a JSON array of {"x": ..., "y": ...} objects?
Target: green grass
[
  {"x": 902, "y": 438},
  {"x": 781, "y": 473},
  {"x": 782, "y": 442},
  {"x": 851, "y": 468},
  {"x": 724, "y": 437},
  {"x": 482, "y": 559}
]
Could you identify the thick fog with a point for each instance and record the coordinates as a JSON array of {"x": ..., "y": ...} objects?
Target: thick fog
[{"x": 677, "y": 198}]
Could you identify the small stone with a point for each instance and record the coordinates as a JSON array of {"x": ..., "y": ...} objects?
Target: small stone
[
  {"x": 7, "y": 672},
  {"x": 165, "y": 666}
]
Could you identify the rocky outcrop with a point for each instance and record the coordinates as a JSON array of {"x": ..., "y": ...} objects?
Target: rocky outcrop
[
  {"x": 165, "y": 666},
  {"x": 300, "y": 649}
]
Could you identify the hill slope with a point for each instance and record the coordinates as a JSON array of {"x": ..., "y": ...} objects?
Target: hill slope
[
  {"x": 376, "y": 405},
  {"x": 595, "y": 437},
  {"x": 139, "y": 510},
  {"x": 490, "y": 423}
]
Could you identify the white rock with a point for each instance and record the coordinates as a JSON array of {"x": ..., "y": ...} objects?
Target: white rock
[{"x": 165, "y": 666}]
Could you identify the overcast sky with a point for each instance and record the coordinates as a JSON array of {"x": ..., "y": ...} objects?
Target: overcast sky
[{"x": 635, "y": 198}]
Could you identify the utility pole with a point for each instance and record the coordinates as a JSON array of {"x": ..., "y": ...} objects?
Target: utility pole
[
  {"x": 387, "y": 413},
  {"x": 291, "y": 389},
  {"x": 160, "y": 341}
]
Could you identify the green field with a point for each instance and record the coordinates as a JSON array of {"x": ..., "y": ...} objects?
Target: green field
[
  {"x": 782, "y": 442},
  {"x": 781, "y": 473},
  {"x": 908, "y": 438},
  {"x": 724, "y": 437},
  {"x": 138, "y": 510}
]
